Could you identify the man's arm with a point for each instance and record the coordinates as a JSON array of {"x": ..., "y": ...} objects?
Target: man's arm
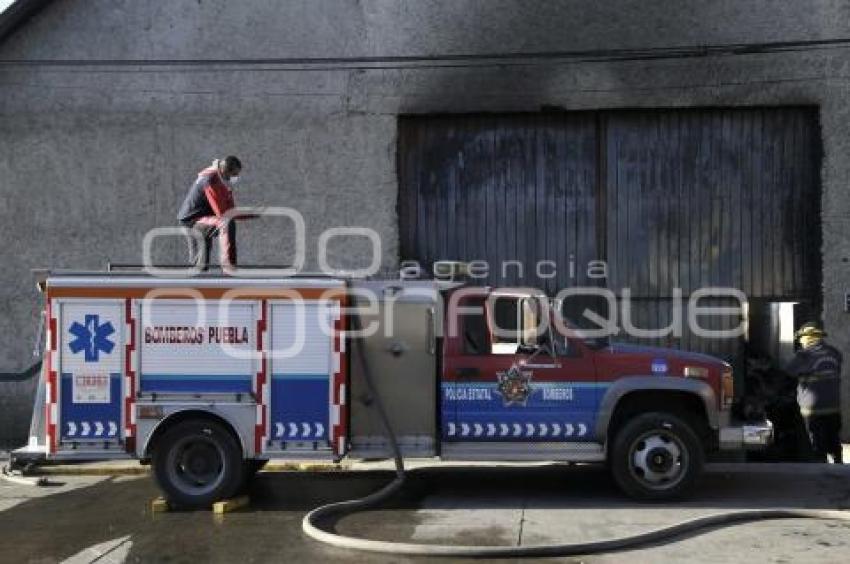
[{"x": 254, "y": 213}]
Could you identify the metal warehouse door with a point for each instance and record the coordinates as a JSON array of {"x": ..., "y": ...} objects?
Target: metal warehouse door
[
  {"x": 712, "y": 198},
  {"x": 685, "y": 198},
  {"x": 501, "y": 188}
]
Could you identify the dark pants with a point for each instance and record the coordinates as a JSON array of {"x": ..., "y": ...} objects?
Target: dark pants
[
  {"x": 824, "y": 432},
  {"x": 208, "y": 228}
]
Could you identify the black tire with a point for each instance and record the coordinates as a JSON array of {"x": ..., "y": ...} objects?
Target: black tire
[
  {"x": 198, "y": 462},
  {"x": 656, "y": 456}
]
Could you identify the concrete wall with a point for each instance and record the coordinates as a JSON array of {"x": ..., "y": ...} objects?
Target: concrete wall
[{"x": 93, "y": 157}]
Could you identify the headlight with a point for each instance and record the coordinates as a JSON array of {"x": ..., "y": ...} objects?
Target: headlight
[{"x": 695, "y": 372}]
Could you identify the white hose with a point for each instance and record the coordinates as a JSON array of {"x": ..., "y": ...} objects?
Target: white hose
[
  {"x": 571, "y": 549},
  {"x": 8, "y": 476},
  {"x": 311, "y": 528}
]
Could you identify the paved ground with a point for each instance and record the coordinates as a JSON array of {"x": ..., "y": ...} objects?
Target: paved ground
[{"x": 103, "y": 519}]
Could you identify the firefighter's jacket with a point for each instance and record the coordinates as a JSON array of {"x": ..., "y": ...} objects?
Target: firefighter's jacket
[{"x": 818, "y": 373}]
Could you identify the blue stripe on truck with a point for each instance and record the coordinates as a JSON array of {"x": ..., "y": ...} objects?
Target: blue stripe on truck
[
  {"x": 300, "y": 407},
  {"x": 300, "y": 376},
  {"x": 95, "y": 421},
  {"x": 233, "y": 383}
]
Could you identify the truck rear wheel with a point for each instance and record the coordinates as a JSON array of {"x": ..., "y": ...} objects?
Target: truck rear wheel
[
  {"x": 656, "y": 456},
  {"x": 197, "y": 463}
]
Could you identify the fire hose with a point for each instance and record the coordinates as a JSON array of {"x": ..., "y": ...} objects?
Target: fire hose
[
  {"x": 312, "y": 528},
  {"x": 9, "y": 476}
]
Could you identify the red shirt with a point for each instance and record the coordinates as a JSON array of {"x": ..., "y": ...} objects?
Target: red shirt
[
  {"x": 208, "y": 196},
  {"x": 219, "y": 195}
]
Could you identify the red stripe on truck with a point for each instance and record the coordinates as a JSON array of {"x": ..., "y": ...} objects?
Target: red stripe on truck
[
  {"x": 51, "y": 381},
  {"x": 260, "y": 429},
  {"x": 339, "y": 429},
  {"x": 130, "y": 391}
]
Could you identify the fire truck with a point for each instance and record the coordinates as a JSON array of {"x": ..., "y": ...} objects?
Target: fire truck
[{"x": 207, "y": 378}]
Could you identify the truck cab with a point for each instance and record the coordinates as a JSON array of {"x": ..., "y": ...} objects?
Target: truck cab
[{"x": 514, "y": 381}]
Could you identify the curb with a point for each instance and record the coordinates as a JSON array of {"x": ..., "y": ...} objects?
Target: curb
[
  {"x": 273, "y": 466},
  {"x": 70, "y": 470}
]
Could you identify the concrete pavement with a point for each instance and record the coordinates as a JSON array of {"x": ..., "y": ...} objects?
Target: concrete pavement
[{"x": 81, "y": 517}]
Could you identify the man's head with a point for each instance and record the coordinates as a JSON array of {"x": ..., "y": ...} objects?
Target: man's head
[
  {"x": 810, "y": 334},
  {"x": 230, "y": 167}
]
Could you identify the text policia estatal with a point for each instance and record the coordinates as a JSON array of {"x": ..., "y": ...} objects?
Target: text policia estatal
[{"x": 170, "y": 334}]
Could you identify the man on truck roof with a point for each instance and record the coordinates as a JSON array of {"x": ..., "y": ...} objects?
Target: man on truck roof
[{"x": 203, "y": 210}]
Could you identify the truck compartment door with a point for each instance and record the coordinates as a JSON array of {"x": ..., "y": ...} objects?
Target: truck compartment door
[
  {"x": 90, "y": 371},
  {"x": 198, "y": 347},
  {"x": 402, "y": 358},
  {"x": 306, "y": 392}
]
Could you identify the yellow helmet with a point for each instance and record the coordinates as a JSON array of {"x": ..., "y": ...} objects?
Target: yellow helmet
[{"x": 810, "y": 329}]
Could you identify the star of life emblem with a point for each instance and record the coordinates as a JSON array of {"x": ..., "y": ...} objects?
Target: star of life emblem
[{"x": 91, "y": 338}]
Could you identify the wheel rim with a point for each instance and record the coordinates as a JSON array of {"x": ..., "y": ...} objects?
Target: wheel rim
[
  {"x": 196, "y": 465},
  {"x": 658, "y": 460}
]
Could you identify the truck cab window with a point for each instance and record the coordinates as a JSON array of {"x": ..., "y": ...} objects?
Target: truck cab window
[
  {"x": 515, "y": 321},
  {"x": 562, "y": 345},
  {"x": 476, "y": 338}
]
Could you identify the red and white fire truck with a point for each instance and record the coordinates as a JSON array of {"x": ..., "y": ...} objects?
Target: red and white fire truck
[{"x": 208, "y": 377}]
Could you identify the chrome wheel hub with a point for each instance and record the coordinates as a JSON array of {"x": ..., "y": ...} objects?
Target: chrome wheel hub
[{"x": 658, "y": 459}]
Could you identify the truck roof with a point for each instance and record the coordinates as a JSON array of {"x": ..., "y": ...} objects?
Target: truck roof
[{"x": 70, "y": 280}]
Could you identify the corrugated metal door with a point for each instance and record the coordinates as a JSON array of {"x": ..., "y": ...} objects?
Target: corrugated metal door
[
  {"x": 500, "y": 189},
  {"x": 668, "y": 198},
  {"x": 711, "y": 198}
]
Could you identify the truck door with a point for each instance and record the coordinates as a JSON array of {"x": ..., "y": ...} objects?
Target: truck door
[
  {"x": 513, "y": 385},
  {"x": 90, "y": 365}
]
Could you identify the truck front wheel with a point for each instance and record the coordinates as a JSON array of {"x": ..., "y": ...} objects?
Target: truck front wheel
[
  {"x": 197, "y": 463},
  {"x": 656, "y": 456}
]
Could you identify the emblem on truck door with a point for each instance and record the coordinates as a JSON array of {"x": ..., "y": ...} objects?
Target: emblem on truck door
[
  {"x": 514, "y": 386},
  {"x": 91, "y": 338}
]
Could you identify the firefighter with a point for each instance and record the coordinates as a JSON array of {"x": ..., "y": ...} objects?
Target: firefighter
[
  {"x": 817, "y": 367},
  {"x": 209, "y": 198}
]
